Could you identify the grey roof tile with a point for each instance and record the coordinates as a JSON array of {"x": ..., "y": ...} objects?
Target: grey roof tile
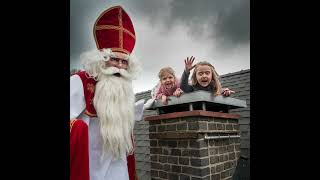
[
  {"x": 145, "y": 143},
  {"x": 141, "y": 150},
  {"x": 141, "y": 131},
  {"x": 244, "y": 127},
  {"x": 245, "y": 143}
]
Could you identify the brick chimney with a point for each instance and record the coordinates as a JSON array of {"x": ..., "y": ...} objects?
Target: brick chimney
[{"x": 194, "y": 137}]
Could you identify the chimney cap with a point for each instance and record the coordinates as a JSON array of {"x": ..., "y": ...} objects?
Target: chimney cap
[{"x": 202, "y": 96}]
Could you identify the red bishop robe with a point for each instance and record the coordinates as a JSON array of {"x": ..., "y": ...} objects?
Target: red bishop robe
[{"x": 79, "y": 150}]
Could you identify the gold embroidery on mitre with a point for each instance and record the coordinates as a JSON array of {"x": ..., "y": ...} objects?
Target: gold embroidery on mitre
[
  {"x": 102, "y": 27},
  {"x": 120, "y": 31},
  {"x": 115, "y": 49}
]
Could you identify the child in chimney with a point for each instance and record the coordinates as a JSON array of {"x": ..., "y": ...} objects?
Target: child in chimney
[
  {"x": 204, "y": 77},
  {"x": 169, "y": 85}
]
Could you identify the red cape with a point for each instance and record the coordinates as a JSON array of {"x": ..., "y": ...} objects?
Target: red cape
[{"x": 79, "y": 150}]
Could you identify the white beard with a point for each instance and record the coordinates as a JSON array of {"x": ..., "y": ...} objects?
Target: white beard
[{"x": 114, "y": 104}]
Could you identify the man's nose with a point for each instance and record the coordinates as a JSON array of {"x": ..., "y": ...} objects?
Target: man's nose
[{"x": 120, "y": 64}]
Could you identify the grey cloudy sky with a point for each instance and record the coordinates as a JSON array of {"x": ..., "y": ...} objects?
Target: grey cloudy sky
[{"x": 168, "y": 31}]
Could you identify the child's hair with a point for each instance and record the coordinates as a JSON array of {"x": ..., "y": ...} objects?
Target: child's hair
[
  {"x": 215, "y": 77},
  {"x": 166, "y": 70}
]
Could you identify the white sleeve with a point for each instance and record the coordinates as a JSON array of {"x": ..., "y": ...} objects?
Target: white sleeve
[
  {"x": 139, "y": 107},
  {"x": 77, "y": 100}
]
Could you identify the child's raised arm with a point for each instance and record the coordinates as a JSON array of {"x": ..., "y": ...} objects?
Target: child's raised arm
[{"x": 184, "y": 85}]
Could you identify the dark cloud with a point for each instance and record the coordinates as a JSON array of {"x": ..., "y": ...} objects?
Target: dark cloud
[
  {"x": 81, "y": 15},
  {"x": 78, "y": 12},
  {"x": 215, "y": 28},
  {"x": 235, "y": 25},
  {"x": 149, "y": 8},
  {"x": 228, "y": 20}
]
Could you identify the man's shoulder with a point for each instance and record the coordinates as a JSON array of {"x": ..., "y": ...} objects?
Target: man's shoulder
[
  {"x": 79, "y": 73},
  {"x": 85, "y": 77}
]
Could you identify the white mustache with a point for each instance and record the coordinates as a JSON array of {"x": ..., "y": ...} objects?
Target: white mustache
[{"x": 114, "y": 70}]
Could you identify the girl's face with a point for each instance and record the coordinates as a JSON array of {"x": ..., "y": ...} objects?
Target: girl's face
[
  {"x": 204, "y": 75},
  {"x": 167, "y": 80}
]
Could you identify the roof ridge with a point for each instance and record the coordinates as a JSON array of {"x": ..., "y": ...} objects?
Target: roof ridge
[
  {"x": 142, "y": 92},
  {"x": 237, "y": 72}
]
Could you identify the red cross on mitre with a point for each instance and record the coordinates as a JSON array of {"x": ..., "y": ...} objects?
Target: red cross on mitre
[{"x": 114, "y": 29}]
